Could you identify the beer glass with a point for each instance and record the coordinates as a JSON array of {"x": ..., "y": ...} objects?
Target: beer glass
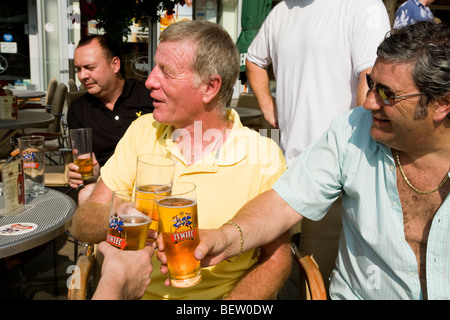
[
  {"x": 179, "y": 228},
  {"x": 129, "y": 222},
  {"x": 153, "y": 171},
  {"x": 81, "y": 140},
  {"x": 32, "y": 152}
]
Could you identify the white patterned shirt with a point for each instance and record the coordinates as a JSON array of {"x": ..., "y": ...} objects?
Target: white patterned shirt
[{"x": 374, "y": 259}]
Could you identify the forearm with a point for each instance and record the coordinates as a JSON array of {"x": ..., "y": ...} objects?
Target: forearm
[
  {"x": 262, "y": 220},
  {"x": 90, "y": 222},
  {"x": 91, "y": 219},
  {"x": 106, "y": 291},
  {"x": 266, "y": 278},
  {"x": 259, "y": 82}
]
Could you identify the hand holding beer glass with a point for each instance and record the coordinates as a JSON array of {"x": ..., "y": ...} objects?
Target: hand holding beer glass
[
  {"x": 153, "y": 171},
  {"x": 81, "y": 140},
  {"x": 129, "y": 221},
  {"x": 179, "y": 228}
]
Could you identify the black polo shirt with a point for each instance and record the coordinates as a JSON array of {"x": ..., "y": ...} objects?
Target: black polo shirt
[{"x": 108, "y": 126}]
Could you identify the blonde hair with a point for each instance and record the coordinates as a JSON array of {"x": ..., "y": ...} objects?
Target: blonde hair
[{"x": 216, "y": 53}]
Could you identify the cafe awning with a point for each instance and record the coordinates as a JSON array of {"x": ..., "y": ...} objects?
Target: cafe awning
[{"x": 253, "y": 14}]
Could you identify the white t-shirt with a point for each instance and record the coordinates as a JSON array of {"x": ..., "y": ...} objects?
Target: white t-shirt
[{"x": 317, "y": 48}]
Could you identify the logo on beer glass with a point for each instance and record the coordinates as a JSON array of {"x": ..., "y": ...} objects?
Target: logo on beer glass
[
  {"x": 182, "y": 228},
  {"x": 116, "y": 235},
  {"x": 30, "y": 161}
]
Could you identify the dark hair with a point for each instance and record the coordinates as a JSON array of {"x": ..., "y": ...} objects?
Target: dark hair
[
  {"x": 426, "y": 45},
  {"x": 109, "y": 46}
]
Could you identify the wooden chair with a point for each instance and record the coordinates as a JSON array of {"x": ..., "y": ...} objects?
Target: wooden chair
[
  {"x": 82, "y": 281},
  {"x": 320, "y": 239},
  {"x": 314, "y": 285}
]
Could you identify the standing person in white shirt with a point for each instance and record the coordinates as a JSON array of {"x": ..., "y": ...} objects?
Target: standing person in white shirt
[{"x": 320, "y": 51}]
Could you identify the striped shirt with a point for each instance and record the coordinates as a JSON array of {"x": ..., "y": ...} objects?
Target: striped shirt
[{"x": 374, "y": 259}]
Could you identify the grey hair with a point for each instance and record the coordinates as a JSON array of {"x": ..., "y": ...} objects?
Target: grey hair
[
  {"x": 426, "y": 46},
  {"x": 216, "y": 53}
]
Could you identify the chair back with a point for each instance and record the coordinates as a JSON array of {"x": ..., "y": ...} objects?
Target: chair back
[
  {"x": 57, "y": 107},
  {"x": 52, "y": 84},
  {"x": 247, "y": 100},
  {"x": 320, "y": 239},
  {"x": 74, "y": 95},
  {"x": 72, "y": 86}
]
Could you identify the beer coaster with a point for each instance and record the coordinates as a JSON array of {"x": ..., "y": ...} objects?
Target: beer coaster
[{"x": 17, "y": 228}]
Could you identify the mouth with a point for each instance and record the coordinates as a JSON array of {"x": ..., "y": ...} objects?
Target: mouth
[
  {"x": 156, "y": 101},
  {"x": 88, "y": 85},
  {"x": 379, "y": 121}
]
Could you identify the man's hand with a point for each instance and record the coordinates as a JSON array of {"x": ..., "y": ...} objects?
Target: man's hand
[
  {"x": 75, "y": 178},
  {"x": 210, "y": 251},
  {"x": 125, "y": 274}
]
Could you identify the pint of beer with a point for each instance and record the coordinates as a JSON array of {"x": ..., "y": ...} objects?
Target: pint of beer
[
  {"x": 85, "y": 168},
  {"x": 179, "y": 228},
  {"x": 81, "y": 140},
  {"x": 128, "y": 224},
  {"x": 153, "y": 171},
  {"x": 148, "y": 192}
]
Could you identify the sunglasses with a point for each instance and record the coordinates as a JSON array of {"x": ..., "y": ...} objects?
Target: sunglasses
[{"x": 385, "y": 94}]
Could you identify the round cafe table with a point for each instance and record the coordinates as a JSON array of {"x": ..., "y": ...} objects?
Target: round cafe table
[
  {"x": 28, "y": 119},
  {"x": 49, "y": 215},
  {"x": 25, "y": 95}
]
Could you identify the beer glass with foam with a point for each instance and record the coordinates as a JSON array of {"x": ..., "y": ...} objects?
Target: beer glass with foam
[
  {"x": 129, "y": 221},
  {"x": 153, "y": 171},
  {"x": 179, "y": 228}
]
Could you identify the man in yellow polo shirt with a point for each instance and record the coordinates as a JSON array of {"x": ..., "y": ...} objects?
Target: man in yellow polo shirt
[{"x": 196, "y": 68}]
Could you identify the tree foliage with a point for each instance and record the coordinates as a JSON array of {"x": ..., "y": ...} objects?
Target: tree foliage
[{"x": 116, "y": 16}]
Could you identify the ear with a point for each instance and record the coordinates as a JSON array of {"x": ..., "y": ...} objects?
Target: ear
[
  {"x": 115, "y": 62},
  {"x": 442, "y": 108},
  {"x": 211, "y": 88}
]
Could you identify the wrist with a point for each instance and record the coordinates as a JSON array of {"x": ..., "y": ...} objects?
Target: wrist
[{"x": 237, "y": 240}]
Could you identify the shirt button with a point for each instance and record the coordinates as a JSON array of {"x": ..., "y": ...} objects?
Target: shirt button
[
  {"x": 391, "y": 167},
  {"x": 116, "y": 117}
]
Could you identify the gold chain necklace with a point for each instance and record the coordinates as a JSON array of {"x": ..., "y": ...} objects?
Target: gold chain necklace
[{"x": 409, "y": 183}]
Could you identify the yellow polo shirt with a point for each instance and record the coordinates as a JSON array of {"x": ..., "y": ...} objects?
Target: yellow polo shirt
[{"x": 245, "y": 166}]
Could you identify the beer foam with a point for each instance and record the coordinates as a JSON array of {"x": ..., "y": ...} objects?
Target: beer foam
[
  {"x": 176, "y": 202},
  {"x": 129, "y": 220}
]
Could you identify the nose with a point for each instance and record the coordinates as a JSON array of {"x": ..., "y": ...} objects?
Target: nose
[
  {"x": 371, "y": 103},
  {"x": 151, "y": 83},
  {"x": 82, "y": 74}
]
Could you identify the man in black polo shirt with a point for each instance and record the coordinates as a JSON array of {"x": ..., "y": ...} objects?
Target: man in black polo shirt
[{"x": 111, "y": 102}]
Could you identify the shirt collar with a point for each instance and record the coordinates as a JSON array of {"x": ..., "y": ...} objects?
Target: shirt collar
[{"x": 233, "y": 151}]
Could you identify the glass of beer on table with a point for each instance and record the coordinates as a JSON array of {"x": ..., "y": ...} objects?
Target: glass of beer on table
[
  {"x": 179, "y": 228},
  {"x": 129, "y": 220},
  {"x": 153, "y": 171},
  {"x": 81, "y": 140}
]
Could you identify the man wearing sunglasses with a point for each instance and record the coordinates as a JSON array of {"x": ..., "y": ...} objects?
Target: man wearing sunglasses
[{"x": 390, "y": 161}]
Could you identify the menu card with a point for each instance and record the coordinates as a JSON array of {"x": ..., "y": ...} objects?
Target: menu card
[
  {"x": 8, "y": 107},
  {"x": 13, "y": 187}
]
